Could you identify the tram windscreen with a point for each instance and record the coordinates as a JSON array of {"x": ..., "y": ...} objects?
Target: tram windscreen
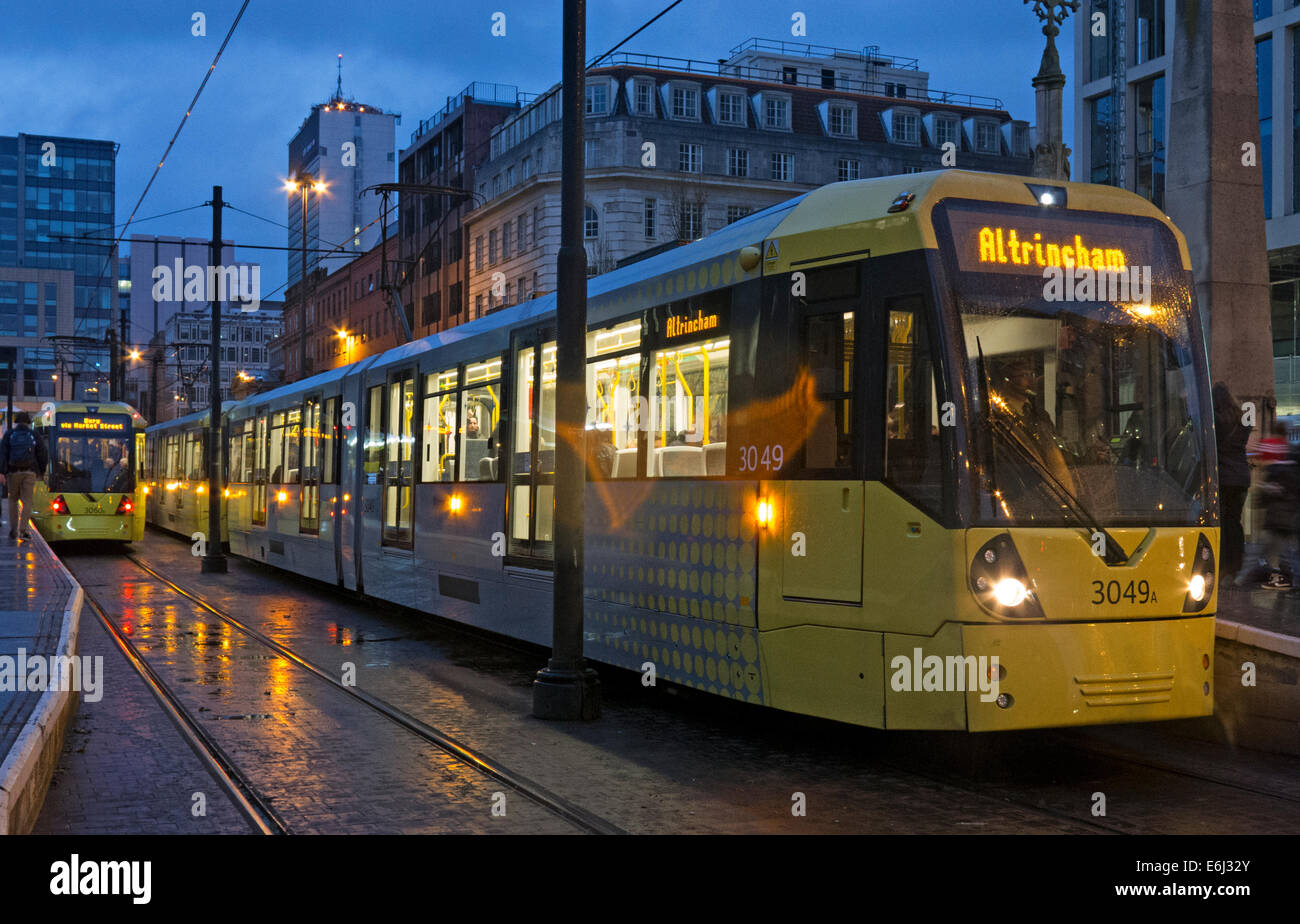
[
  {"x": 92, "y": 454},
  {"x": 1084, "y": 367}
]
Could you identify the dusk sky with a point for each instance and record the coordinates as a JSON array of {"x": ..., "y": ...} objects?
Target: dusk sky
[{"x": 126, "y": 70}]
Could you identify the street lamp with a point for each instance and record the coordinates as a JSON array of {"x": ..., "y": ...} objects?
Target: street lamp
[{"x": 303, "y": 182}]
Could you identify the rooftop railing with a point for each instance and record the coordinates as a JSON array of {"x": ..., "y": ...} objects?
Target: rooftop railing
[
  {"x": 868, "y": 55},
  {"x": 481, "y": 92},
  {"x": 809, "y": 80}
]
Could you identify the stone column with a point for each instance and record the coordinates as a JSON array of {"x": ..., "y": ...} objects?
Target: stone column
[{"x": 1214, "y": 189}]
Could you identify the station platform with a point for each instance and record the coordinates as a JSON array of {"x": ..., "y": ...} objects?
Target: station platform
[{"x": 40, "y": 608}]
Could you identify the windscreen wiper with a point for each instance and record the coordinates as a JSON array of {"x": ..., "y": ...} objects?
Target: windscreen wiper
[{"x": 1112, "y": 552}]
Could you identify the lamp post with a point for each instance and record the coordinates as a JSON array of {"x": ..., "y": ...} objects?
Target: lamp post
[{"x": 303, "y": 182}]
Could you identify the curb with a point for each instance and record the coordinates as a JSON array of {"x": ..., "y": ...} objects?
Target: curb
[
  {"x": 1276, "y": 642},
  {"x": 29, "y": 766}
]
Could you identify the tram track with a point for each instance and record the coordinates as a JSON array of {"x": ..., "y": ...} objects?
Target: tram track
[
  {"x": 477, "y": 760},
  {"x": 237, "y": 786}
]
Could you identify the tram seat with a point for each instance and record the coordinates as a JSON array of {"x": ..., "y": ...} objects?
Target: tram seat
[
  {"x": 715, "y": 459},
  {"x": 475, "y": 451},
  {"x": 625, "y": 464},
  {"x": 679, "y": 461},
  {"x": 487, "y": 469}
]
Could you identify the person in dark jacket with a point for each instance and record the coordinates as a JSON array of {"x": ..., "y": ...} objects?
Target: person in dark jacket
[
  {"x": 1280, "y": 496},
  {"x": 23, "y": 459},
  {"x": 1234, "y": 478}
]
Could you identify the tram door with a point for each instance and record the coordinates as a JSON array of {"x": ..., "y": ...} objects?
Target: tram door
[
  {"x": 309, "y": 499},
  {"x": 261, "y": 445},
  {"x": 825, "y": 502},
  {"x": 399, "y": 468},
  {"x": 531, "y": 504}
]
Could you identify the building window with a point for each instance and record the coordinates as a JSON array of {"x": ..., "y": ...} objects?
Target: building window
[
  {"x": 842, "y": 120},
  {"x": 496, "y": 185},
  {"x": 776, "y": 112},
  {"x": 528, "y": 166},
  {"x": 945, "y": 131},
  {"x": 1262, "y": 9},
  {"x": 737, "y": 212},
  {"x": 537, "y": 225},
  {"x": 643, "y": 97},
  {"x": 1150, "y": 132},
  {"x": 1264, "y": 83},
  {"x": 1100, "y": 127},
  {"x": 505, "y": 241},
  {"x": 648, "y": 220},
  {"x": 731, "y": 108},
  {"x": 597, "y": 102},
  {"x": 492, "y": 247},
  {"x": 590, "y": 223},
  {"x": 1099, "y": 46},
  {"x": 737, "y": 162},
  {"x": 849, "y": 169},
  {"x": 454, "y": 298},
  {"x": 1150, "y": 30},
  {"x": 590, "y": 153},
  {"x": 782, "y": 167},
  {"x": 510, "y": 176},
  {"x": 906, "y": 128},
  {"x": 690, "y": 219},
  {"x": 478, "y": 306},
  {"x": 686, "y": 103},
  {"x": 828, "y": 78},
  {"x": 790, "y": 75},
  {"x": 911, "y": 169},
  {"x": 690, "y": 157},
  {"x": 986, "y": 138},
  {"x": 431, "y": 308},
  {"x": 521, "y": 234},
  {"x": 478, "y": 253}
]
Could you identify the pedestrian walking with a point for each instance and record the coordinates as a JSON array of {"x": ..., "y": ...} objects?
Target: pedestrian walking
[
  {"x": 23, "y": 460},
  {"x": 1231, "y": 436},
  {"x": 1280, "y": 498}
]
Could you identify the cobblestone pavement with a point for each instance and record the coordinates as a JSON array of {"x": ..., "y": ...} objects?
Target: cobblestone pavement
[
  {"x": 125, "y": 769},
  {"x": 656, "y": 762}
]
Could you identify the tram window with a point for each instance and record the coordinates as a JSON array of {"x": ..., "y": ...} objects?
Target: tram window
[
  {"x": 292, "y": 433},
  {"x": 92, "y": 464},
  {"x": 235, "y": 454},
  {"x": 613, "y": 389},
  {"x": 912, "y": 461},
  {"x": 829, "y": 339},
  {"x": 530, "y": 472},
  {"x": 329, "y": 442},
  {"x": 374, "y": 455},
  {"x": 194, "y": 467},
  {"x": 438, "y": 445},
  {"x": 277, "y": 448},
  {"x": 480, "y": 409},
  {"x": 398, "y": 470},
  {"x": 688, "y": 410}
]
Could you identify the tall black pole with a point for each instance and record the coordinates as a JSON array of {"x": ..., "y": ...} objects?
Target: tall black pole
[
  {"x": 303, "y": 179},
  {"x": 566, "y": 688},
  {"x": 214, "y": 562}
]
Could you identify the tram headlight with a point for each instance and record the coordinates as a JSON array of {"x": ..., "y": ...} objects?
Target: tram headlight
[
  {"x": 1200, "y": 585},
  {"x": 999, "y": 580},
  {"x": 1010, "y": 592}
]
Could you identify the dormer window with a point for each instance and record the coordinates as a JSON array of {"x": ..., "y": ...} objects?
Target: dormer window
[
  {"x": 642, "y": 97},
  {"x": 904, "y": 126},
  {"x": 839, "y": 119},
  {"x": 983, "y": 135},
  {"x": 684, "y": 102},
  {"x": 597, "y": 97},
  {"x": 772, "y": 110},
  {"x": 944, "y": 130},
  {"x": 729, "y": 107}
]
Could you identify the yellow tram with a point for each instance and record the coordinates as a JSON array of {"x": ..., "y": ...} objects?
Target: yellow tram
[
  {"x": 92, "y": 488},
  {"x": 922, "y": 452}
]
